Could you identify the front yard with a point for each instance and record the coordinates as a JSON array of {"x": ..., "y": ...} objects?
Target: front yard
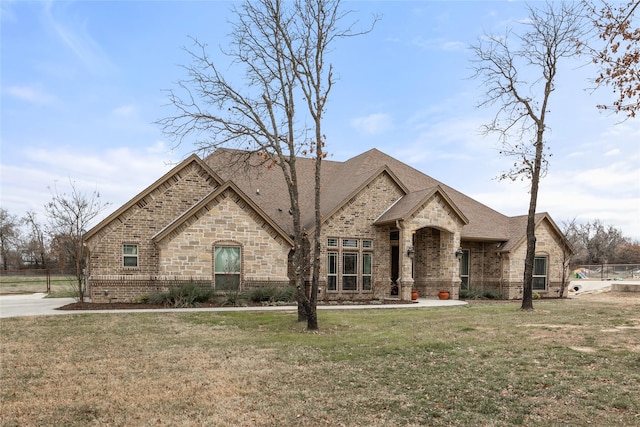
[{"x": 571, "y": 362}]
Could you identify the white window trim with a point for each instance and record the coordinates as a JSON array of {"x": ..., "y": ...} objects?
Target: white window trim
[
  {"x": 545, "y": 275},
  {"x": 135, "y": 256}
]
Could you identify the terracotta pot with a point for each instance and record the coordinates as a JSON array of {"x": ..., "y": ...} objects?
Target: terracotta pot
[
  {"x": 414, "y": 295},
  {"x": 443, "y": 294}
]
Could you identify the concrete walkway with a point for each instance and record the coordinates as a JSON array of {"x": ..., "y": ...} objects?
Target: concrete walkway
[{"x": 38, "y": 305}]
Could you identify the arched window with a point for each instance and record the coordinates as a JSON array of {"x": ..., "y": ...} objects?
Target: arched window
[{"x": 227, "y": 262}]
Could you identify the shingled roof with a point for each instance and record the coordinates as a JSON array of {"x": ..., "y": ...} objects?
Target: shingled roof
[{"x": 263, "y": 182}]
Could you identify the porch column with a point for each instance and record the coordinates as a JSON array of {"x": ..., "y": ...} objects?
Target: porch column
[
  {"x": 451, "y": 265},
  {"x": 406, "y": 280}
]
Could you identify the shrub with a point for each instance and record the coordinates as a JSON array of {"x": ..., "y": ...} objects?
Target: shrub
[
  {"x": 286, "y": 294},
  {"x": 272, "y": 294},
  {"x": 478, "y": 293},
  {"x": 235, "y": 299},
  {"x": 188, "y": 295},
  {"x": 262, "y": 294}
]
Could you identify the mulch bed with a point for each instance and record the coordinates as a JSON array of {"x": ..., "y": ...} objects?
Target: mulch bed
[
  {"x": 145, "y": 306},
  {"x": 131, "y": 306}
]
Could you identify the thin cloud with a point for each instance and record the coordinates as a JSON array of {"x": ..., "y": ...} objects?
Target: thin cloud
[
  {"x": 372, "y": 124},
  {"x": 108, "y": 172},
  {"x": 125, "y": 111},
  {"x": 30, "y": 94},
  {"x": 438, "y": 44},
  {"x": 78, "y": 39}
]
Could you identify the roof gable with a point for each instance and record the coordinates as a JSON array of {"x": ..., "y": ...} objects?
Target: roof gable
[
  {"x": 519, "y": 231},
  {"x": 409, "y": 204},
  {"x": 167, "y": 180},
  {"x": 202, "y": 208},
  {"x": 344, "y": 193}
]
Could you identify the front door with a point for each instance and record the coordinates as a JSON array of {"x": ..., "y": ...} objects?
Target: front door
[{"x": 395, "y": 269}]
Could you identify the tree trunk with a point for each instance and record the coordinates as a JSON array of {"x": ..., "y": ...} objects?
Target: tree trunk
[{"x": 527, "y": 291}]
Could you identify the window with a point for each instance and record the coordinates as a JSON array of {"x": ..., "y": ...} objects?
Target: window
[
  {"x": 350, "y": 265},
  {"x": 350, "y": 271},
  {"x": 227, "y": 267},
  {"x": 464, "y": 269},
  {"x": 540, "y": 273},
  {"x": 349, "y": 243},
  {"x": 366, "y": 271},
  {"x": 130, "y": 256},
  {"x": 332, "y": 271}
]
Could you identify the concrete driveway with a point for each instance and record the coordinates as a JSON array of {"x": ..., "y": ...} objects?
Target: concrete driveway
[
  {"x": 38, "y": 305},
  {"x": 31, "y": 305}
]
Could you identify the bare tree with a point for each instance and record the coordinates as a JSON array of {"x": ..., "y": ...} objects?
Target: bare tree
[
  {"x": 628, "y": 252},
  {"x": 518, "y": 72},
  {"x": 9, "y": 235},
  {"x": 619, "y": 59},
  {"x": 35, "y": 244},
  {"x": 595, "y": 242},
  {"x": 280, "y": 48},
  {"x": 69, "y": 217}
]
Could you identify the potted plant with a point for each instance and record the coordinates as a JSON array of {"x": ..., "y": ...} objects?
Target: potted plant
[
  {"x": 414, "y": 294},
  {"x": 443, "y": 294}
]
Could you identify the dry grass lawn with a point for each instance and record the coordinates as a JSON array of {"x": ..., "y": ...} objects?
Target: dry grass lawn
[{"x": 570, "y": 362}]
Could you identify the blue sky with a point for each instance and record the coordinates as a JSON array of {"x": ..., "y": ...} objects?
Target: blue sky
[{"x": 83, "y": 82}]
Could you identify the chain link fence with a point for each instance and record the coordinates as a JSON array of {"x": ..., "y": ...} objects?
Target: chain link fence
[
  {"x": 35, "y": 280},
  {"x": 606, "y": 272}
]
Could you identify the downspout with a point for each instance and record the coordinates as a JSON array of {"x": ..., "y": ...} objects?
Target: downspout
[
  {"x": 400, "y": 226},
  {"x": 484, "y": 260},
  {"x": 501, "y": 277}
]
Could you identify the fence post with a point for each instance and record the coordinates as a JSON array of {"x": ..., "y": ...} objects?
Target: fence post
[{"x": 48, "y": 281}]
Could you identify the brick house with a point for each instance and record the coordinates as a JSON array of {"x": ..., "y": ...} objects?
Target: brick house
[{"x": 387, "y": 229}]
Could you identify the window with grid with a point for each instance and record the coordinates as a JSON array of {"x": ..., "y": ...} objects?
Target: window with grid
[
  {"x": 130, "y": 255},
  {"x": 349, "y": 264},
  {"x": 332, "y": 271},
  {"x": 366, "y": 271},
  {"x": 540, "y": 273},
  {"x": 349, "y": 271},
  {"x": 464, "y": 269}
]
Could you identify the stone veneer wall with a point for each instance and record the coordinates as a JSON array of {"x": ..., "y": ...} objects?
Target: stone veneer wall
[
  {"x": 355, "y": 220},
  {"x": 189, "y": 258},
  {"x": 441, "y": 268},
  {"x": 143, "y": 220},
  {"x": 426, "y": 263},
  {"x": 547, "y": 244},
  {"x": 132, "y": 287},
  {"x": 228, "y": 220},
  {"x": 484, "y": 265}
]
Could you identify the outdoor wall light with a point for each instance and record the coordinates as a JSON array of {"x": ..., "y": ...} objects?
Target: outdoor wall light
[
  {"x": 411, "y": 252},
  {"x": 459, "y": 253}
]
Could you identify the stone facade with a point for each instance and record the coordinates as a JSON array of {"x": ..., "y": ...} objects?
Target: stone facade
[
  {"x": 489, "y": 268},
  {"x": 435, "y": 237},
  {"x": 485, "y": 265},
  {"x": 354, "y": 220},
  {"x": 141, "y": 221},
  {"x": 547, "y": 245},
  {"x": 410, "y": 235},
  {"x": 226, "y": 221}
]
